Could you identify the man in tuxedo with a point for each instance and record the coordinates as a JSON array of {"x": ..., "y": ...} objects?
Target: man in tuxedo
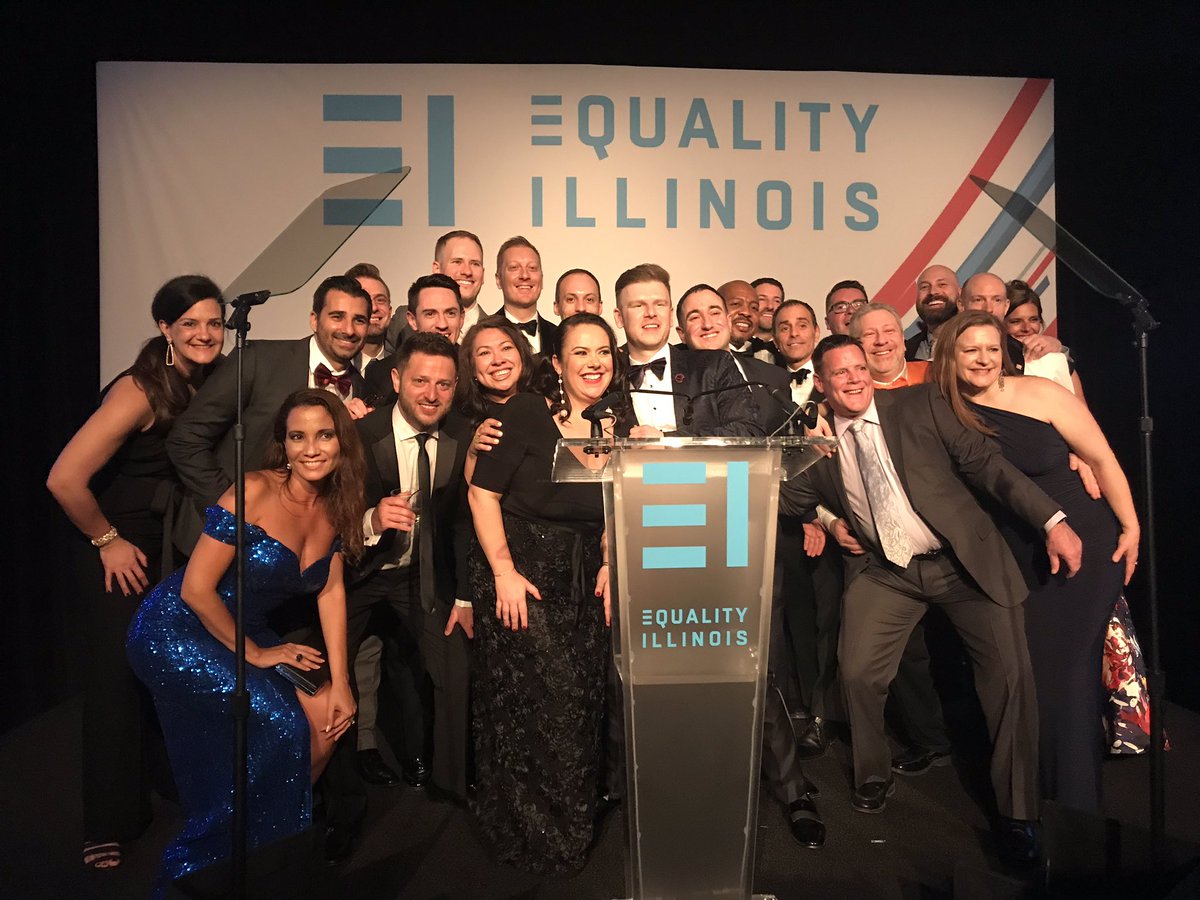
[
  {"x": 200, "y": 444},
  {"x": 742, "y": 302},
  {"x": 769, "y": 292},
  {"x": 576, "y": 290},
  {"x": 415, "y": 530},
  {"x": 519, "y": 277},
  {"x": 903, "y": 482},
  {"x": 704, "y": 325},
  {"x": 698, "y": 388},
  {"x": 840, "y": 303},
  {"x": 434, "y": 305},
  {"x": 376, "y": 347},
  {"x": 459, "y": 256}
]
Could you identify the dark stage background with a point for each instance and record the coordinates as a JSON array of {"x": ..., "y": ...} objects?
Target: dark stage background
[{"x": 1125, "y": 154}]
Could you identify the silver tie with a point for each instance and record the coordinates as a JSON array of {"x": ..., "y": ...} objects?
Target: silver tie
[{"x": 892, "y": 536}]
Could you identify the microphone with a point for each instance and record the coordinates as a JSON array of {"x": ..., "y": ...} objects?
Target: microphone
[
  {"x": 793, "y": 411},
  {"x": 597, "y": 410}
]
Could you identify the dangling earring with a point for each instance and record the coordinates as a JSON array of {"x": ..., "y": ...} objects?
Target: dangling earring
[
  {"x": 560, "y": 388},
  {"x": 170, "y": 358},
  {"x": 1001, "y": 381}
]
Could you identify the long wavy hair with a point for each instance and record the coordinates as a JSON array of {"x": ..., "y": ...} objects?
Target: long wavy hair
[
  {"x": 167, "y": 391},
  {"x": 471, "y": 397},
  {"x": 343, "y": 491},
  {"x": 943, "y": 369},
  {"x": 549, "y": 385}
]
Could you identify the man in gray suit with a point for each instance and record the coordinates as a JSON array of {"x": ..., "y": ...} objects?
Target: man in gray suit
[
  {"x": 200, "y": 444},
  {"x": 902, "y": 481}
]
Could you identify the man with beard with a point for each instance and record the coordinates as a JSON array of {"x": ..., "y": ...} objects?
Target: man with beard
[
  {"x": 742, "y": 302},
  {"x": 937, "y": 302},
  {"x": 519, "y": 277},
  {"x": 843, "y": 299},
  {"x": 770, "y": 294}
]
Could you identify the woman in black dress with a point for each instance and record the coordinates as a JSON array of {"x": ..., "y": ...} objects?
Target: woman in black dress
[
  {"x": 540, "y": 659},
  {"x": 1037, "y": 423},
  {"x": 115, "y": 483}
]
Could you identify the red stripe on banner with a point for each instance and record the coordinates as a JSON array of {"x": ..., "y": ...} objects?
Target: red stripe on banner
[
  {"x": 898, "y": 291},
  {"x": 1037, "y": 273}
]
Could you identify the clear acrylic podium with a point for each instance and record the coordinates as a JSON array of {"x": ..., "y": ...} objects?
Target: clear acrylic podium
[{"x": 691, "y": 532}]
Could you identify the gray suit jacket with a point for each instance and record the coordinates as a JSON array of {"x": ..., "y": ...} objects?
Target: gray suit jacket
[{"x": 939, "y": 462}]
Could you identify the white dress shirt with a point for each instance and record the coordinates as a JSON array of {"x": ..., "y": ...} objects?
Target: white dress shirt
[
  {"x": 657, "y": 410},
  {"x": 317, "y": 358},
  {"x": 802, "y": 391},
  {"x": 407, "y": 447},
  {"x": 535, "y": 339}
]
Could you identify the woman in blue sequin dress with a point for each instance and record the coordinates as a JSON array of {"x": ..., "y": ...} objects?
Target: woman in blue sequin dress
[{"x": 303, "y": 515}]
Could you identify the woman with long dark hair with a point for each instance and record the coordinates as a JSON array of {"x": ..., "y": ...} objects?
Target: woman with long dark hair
[
  {"x": 539, "y": 583},
  {"x": 115, "y": 483},
  {"x": 303, "y": 516}
]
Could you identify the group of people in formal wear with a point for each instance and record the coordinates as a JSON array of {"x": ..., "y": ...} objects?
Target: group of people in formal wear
[{"x": 399, "y": 498}]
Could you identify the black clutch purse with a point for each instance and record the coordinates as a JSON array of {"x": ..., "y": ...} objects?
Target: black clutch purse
[{"x": 310, "y": 681}]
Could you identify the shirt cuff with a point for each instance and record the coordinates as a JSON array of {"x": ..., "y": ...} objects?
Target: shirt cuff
[
  {"x": 464, "y": 603},
  {"x": 826, "y": 518},
  {"x": 1054, "y": 520},
  {"x": 370, "y": 538}
]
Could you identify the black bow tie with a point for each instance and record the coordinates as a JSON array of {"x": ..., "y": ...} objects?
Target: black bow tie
[
  {"x": 799, "y": 376},
  {"x": 529, "y": 327},
  {"x": 638, "y": 372}
]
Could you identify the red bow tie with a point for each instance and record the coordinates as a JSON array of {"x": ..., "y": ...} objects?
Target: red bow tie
[{"x": 323, "y": 378}]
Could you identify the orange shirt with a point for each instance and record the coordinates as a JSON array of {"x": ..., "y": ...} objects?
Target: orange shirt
[{"x": 913, "y": 373}]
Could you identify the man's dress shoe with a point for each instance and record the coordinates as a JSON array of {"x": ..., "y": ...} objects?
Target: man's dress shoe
[
  {"x": 805, "y": 823},
  {"x": 871, "y": 796},
  {"x": 814, "y": 740},
  {"x": 1018, "y": 841},
  {"x": 918, "y": 761},
  {"x": 416, "y": 772},
  {"x": 373, "y": 769}
]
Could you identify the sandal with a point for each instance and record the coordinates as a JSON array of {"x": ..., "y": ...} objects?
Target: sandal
[{"x": 100, "y": 855}]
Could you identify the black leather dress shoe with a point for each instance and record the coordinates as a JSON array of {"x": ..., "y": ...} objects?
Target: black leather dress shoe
[
  {"x": 339, "y": 842},
  {"x": 918, "y": 761},
  {"x": 805, "y": 823},
  {"x": 871, "y": 796},
  {"x": 1018, "y": 840},
  {"x": 415, "y": 772},
  {"x": 374, "y": 770},
  {"x": 814, "y": 741}
]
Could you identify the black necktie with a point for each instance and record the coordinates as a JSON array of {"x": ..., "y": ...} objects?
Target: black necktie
[
  {"x": 530, "y": 327},
  {"x": 799, "y": 376},
  {"x": 638, "y": 372},
  {"x": 425, "y": 527}
]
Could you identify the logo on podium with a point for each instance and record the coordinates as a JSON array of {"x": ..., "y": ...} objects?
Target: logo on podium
[{"x": 736, "y": 503}]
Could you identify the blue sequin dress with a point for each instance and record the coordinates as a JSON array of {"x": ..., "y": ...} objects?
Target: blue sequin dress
[{"x": 191, "y": 676}]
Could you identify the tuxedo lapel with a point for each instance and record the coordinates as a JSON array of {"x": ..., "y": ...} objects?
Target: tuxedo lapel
[
  {"x": 447, "y": 452},
  {"x": 386, "y": 462},
  {"x": 681, "y": 373}
]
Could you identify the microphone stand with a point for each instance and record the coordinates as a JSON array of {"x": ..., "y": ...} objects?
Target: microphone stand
[{"x": 239, "y": 323}]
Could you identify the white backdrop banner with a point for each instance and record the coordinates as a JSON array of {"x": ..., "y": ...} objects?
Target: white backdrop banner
[{"x": 807, "y": 177}]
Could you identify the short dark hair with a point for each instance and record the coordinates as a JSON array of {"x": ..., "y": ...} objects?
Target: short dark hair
[
  {"x": 772, "y": 281},
  {"x": 451, "y": 235},
  {"x": 429, "y": 342},
  {"x": 831, "y": 343},
  {"x": 1019, "y": 293},
  {"x": 368, "y": 270},
  {"x": 842, "y": 285},
  {"x": 514, "y": 241},
  {"x": 640, "y": 274},
  {"x": 788, "y": 304},
  {"x": 567, "y": 274},
  {"x": 436, "y": 280},
  {"x": 343, "y": 283},
  {"x": 695, "y": 289}
]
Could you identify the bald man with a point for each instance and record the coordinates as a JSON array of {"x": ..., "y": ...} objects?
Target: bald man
[
  {"x": 988, "y": 292},
  {"x": 937, "y": 301}
]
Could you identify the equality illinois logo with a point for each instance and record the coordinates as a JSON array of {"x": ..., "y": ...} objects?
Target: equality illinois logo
[
  {"x": 685, "y": 515},
  {"x": 377, "y": 122}
]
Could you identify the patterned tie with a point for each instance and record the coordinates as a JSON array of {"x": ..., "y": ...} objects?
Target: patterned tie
[
  {"x": 322, "y": 377},
  {"x": 425, "y": 525},
  {"x": 637, "y": 373},
  {"x": 884, "y": 509}
]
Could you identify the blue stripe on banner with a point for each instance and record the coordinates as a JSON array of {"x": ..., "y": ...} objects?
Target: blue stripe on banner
[
  {"x": 546, "y": 99},
  {"x": 545, "y": 120},
  {"x": 1041, "y": 286},
  {"x": 546, "y": 140},
  {"x": 737, "y": 514},
  {"x": 441, "y": 160},
  {"x": 674, "y": 473},
  {"x": 362, "y": 107},
  {"x": 673, "y": 558},
  {"x": 995, "y": 240},
  {"x": 363, "y": 160},
  {"x": 352, "y": 212},
  {"x": 670, "y": 515}
]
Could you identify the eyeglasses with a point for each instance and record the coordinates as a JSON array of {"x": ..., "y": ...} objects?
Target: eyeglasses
[{"x": 847, "y": 306}]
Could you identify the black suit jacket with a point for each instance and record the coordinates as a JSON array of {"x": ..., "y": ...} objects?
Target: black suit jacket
[
  {"x": 939, "y": 461},
  {"x": 730, "y": 413},
  {"x": 771, "y": 414},
  {"x": 449, "y": 503},
  {"x": 200, "y": 443}
]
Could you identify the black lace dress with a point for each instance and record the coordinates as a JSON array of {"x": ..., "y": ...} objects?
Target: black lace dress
[{"x": 538, "y": 694}]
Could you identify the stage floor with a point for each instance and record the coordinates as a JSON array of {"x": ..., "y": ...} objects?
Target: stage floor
[{"x": 932, "y": 841}]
